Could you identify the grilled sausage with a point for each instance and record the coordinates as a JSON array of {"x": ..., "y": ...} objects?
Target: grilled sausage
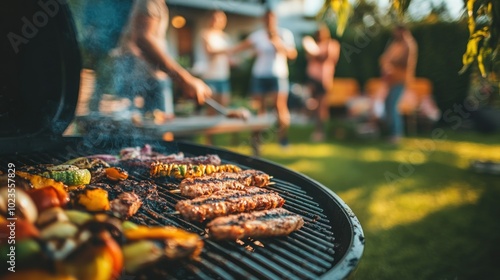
[
  {"x": 267, "y": 223},
  {"x": 228, "y": 202},
  {"x": 208, "y": 184}
]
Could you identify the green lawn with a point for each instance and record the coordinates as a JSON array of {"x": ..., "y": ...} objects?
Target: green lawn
[{"x": 425, "y": 215}]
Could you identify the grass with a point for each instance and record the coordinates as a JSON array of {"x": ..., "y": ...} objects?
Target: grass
[{"x": 424, "y": 213}]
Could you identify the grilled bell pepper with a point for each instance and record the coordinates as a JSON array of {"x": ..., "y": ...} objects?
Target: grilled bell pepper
[
  {"x": 94, "y": 200},
  {"x": 98, "y": 259},
  {"x": 116, "y": 173},
  {"x": 179, "y": 243},
  {"x": 47, "y": 197},
  {"x": 38, "y": 181}
]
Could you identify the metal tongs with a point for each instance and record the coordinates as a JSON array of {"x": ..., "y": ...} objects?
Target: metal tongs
[{"x": 241, "y": 113}]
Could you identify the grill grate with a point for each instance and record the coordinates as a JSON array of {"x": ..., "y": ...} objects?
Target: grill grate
[{"x": 309, "y": 253}]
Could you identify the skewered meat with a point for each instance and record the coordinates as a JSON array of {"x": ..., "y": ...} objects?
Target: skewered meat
[
  {"x": 180, "y": 171},
  {"x": 227, "y": 202},
  {"x": 267, "y": 223},
  {"x": 208, "y": 184},
  {"x": 141, "y": 165},
  {"x": 126, "y": 204}
]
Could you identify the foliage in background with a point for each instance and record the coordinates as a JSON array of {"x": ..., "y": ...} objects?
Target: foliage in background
[
  {"x": 484, "y": 39},
  {"x": 340, "y": 9}
]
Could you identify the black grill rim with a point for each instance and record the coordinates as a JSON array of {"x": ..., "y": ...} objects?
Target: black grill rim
[
  {"x": 348, "y": 235},
  {"x": 351, "y": 250}
]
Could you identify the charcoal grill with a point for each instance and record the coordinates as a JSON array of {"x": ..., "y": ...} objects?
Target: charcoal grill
[{"x": 329, "y": 246}]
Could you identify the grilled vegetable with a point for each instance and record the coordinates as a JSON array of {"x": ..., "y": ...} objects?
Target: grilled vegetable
[
  {"x": 22, "y": 228},
  {"x": 78, "y": 217},
  {"x": 99, "y": 258},
  {"x": 37, "y": 274},
  {"x": 148, "y": 244},
  {"x": 94, "y": 200},
  {"x": 51, "y": 215},
  {"x": 59, "y": 230},
  {"x": 39, "y": 182},
  {"x": 68, "y": 174},
  {"x": 47, "y": 197},
  {"x": 24, "y": 250},
  {"x": 116, "y": 173},
  {"x": 140, "y": 254},
  {"x": 180, "y": 171},
  {"x": 24, "y": 207}
]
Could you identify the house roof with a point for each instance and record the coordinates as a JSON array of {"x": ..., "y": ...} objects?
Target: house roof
[{"x": 243, "y": 7}]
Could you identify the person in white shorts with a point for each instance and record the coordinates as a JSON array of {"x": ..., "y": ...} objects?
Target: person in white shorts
[{"x": 274, "y": 46}]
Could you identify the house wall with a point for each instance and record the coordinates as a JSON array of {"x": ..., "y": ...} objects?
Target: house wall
[{"x": 290, "y": 15}]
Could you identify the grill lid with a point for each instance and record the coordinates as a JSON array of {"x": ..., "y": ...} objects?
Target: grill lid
[{"x": 40, "y": 70}]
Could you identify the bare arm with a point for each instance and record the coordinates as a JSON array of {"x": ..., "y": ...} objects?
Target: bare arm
[
  {"x": 152, "y": 51},
  {"x": 243, "y": 45},
  {"x": 334, "y": 51},
  {"x": 412, "y": 56},
  {"x": 208, "y": 47},
  {"x": 290, "y": 52}
]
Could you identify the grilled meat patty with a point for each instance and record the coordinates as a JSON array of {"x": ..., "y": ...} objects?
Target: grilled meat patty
[
  {"x": 226, "y": 202},
  {"x": 208, "y": 184},
  {"x": 146, "y": 191},
  {"x": 266, "y": 223},
  {"x": 126, "y": 204}
]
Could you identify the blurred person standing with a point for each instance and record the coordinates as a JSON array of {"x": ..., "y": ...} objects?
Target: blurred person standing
[
  {"x": 217, "y": 69},
  {"x": 144, "y": 66},
  {"x": 397, "y": 68},
  {"x": 322, "y": 56},
  {"x": 274, "y": 46}
]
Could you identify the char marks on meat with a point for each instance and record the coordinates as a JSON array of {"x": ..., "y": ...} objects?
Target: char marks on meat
[
  {"x": 146, "y": 191},
  {"x": 208, "y": 184},
  {"x": 227, "y": 202},
  {"x": 126, "y": 204},
  {"x": 267, "y": 223}
]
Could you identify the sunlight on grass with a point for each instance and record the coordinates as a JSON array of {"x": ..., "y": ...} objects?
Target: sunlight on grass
[
  {"x": 367, "y": 154},
  {"x": 390, "y": 206},
  {"x": 464, "y": 152},
  {"x": 304, "y": 150},
  {"x": 305, "y": 166}
]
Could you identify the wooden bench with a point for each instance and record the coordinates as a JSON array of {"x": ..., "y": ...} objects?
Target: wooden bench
[
  {"x": 413, "y": 96},
  {"x": 343, "y": 90}
]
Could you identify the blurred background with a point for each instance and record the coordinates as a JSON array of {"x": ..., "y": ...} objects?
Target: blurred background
[{"x": 429, "y": 206}]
